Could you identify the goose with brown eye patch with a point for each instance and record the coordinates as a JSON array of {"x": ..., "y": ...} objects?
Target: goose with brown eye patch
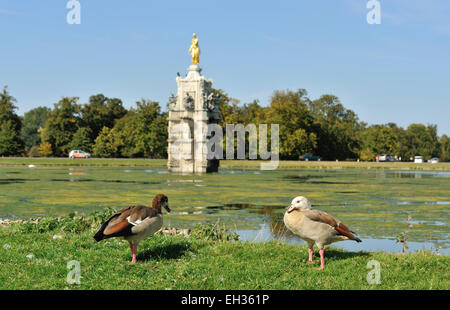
[
  {"x": 135, "y": 223},
  {"x": 315, "y": 227}
]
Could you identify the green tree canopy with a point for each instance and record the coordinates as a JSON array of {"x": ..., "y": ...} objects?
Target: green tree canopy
[
  {"x": 62, "y": 123},
  {"x": 10, "y": 126},
  {"x": 107, "y": 144},
  {"x": 445, "y": 148},
  {"x": 339, "y": 132},
  {"x": 298, "y": 132},
  {"x": 379, "y": 139},
  {"x": 81, "y": 140},
  {"x": 33, "y": 121},
  {"x": 422, "y": 140},
  {"x": 104, "y": 127},
  {"x": 101, "y": 112},
  {"x": 142, "y": 132}
]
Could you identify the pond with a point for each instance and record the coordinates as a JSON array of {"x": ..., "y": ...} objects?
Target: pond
[{"x": 374, "y": 203}]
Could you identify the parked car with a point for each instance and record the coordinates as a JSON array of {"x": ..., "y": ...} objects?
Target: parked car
[
  {"x": 308, "y": 157},
  {"x": 79, "y": 154},
  {"x": 418, "y": 159},
  {"x": 385, "y": 157},
  {"x": 434, "y": 160}
]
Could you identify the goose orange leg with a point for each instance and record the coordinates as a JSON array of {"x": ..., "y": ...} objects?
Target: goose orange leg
[
  {"x": 133, "y": 248},
  {"x": 322, "y": 260},
  {"x": 310, "y": 252}
]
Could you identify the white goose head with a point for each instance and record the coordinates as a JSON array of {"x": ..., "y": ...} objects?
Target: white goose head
[{"x": 299, "y": 203}]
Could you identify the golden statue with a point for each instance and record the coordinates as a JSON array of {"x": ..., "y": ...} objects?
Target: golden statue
[{"x": 194, "y": 50}]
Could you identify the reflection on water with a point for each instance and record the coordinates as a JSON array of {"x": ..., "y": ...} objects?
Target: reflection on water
[
  {"x": 12, "y": 181},
  {"x": 268, "y": 233},
  {"x": 273, "y": 228},
  {"x": 437, "y": 202},
  {"x": 75, "y": 179},
  {"x": 416, "y": 174},
  {"x": 312, "y": 179},
  {"x": 148, "y": 171},
  {"x": 238, "y": 172}
]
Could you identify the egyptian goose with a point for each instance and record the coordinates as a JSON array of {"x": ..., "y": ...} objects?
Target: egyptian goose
[
  {"x": 315, "y": 227},
  {"x": 135, "y": 223}
]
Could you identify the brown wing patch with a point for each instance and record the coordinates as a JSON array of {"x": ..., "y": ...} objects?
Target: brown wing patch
[
  {"x": 115, "y": 228},
  {"x": 343, "y": 230},
  {"x": 118, "y": 221},
  {"x": 319, "y": 216}
]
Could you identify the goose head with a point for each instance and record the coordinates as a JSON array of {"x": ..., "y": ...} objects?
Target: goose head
[
  {"x": 160, "y": 201},
  {"x": 299, "y": 203}
]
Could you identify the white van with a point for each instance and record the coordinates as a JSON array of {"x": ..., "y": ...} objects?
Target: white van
[{"x": 418, "y": 159}]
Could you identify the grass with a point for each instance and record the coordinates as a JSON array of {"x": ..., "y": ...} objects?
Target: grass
[
  {"x": 198, "y": 262},
  {"x": 224, "y": 164}
]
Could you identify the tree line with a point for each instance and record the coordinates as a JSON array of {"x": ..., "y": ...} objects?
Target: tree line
[{"x": 105, "y": 128}]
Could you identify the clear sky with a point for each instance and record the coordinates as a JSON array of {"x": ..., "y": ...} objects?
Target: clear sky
[{"x": 397, "y": 71}]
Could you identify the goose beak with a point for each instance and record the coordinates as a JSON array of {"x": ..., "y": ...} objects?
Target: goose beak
[
  {"x": 291, "y": 208},
  {"x": 167, "y": 208}
]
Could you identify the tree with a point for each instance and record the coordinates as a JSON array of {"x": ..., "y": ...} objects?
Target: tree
[
  {"x": 82, "y": 140},
  {"x": 367, "y": 154},
  {"x": 142, "y": 132},
  {"x": 228, "y": 107},
  {"x": 107, "y": 144},
  {"x": 10, "y": 143},
  {"x": 379, "y": 139},
  {"x": 422, "y": 140},
  {"x": 10, "y": 126},
  {"x": 445, "y": 148},
  {"x": 61, "y": 125},
  {"x": 339, "y": 133},
  {"x": 400, "y": 133},
  {"x": 33, "y": 121},
  {"x": 298, "y": 135},
  {"x": 45, "y": 149},
  {"x": 252, "y": 113},
  {"x": 101, "y": 112}
]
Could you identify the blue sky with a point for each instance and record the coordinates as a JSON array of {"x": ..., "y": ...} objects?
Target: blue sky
[{"x": 398, "y": 71}]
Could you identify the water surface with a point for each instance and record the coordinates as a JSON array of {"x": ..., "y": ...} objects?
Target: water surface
[{"x": 374, "y": 203}]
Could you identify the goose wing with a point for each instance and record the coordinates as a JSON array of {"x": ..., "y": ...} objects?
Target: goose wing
[
  {"x": 323, "y": 217},
  {"x": 121, "y": 223}
]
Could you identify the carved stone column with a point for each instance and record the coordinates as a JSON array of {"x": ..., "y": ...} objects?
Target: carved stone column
[{"x": 190, "y": 112}]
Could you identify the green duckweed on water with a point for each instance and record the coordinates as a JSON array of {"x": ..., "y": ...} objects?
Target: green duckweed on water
[{"x": 376, "y": 203}]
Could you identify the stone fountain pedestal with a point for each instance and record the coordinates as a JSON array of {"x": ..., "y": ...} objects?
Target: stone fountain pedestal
[{"x": 190, "y": 112}]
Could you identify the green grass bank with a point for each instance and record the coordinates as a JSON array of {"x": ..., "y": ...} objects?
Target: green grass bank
[{"x": 31, "y": 257}]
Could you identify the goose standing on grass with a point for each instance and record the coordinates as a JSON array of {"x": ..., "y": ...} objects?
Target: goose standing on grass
[
  {"x": 315, "y": 227},
  {"x": 135, "y": 223}
]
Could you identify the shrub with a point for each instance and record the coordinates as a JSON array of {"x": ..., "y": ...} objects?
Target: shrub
[
  {"x": 74, "y": 223},
  {"x": 215, "y": 232},
  {"x": 27, "y": 228},
  {"x": 98, "y": 217},
  {"x": 34, "y": 151},
  {"x": 45, "y": 149},
  {"x": 47, "y": 224}
]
